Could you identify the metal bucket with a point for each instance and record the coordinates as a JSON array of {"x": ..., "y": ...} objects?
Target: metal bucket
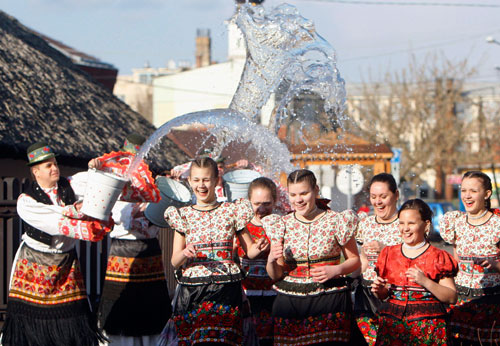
[
  {"x": 101, "y": 193},
  {"x": 172, "y": 193},
  {"x": 238, "y": 182}
]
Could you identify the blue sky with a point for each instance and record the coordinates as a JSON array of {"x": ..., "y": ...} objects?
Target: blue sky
[{"x": 129, "y": 33}]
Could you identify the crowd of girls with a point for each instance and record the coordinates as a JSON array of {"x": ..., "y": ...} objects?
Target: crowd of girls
[{"x": 294, "y": 271}]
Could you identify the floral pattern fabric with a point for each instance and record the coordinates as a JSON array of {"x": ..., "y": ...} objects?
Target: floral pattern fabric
[
  {"x": 370, "y": 230},
  {"x": 307, "y": 245},
  {"x": 209, "y": 322},
  {"x": 212, "y": 233},
  {"x": 134, "y": 269},
  {"x": 257, "y": 279},
  {"x": 39, "y": 283},
  {"x": 368, "y": 326},
  {"x": 403, "y": 332},
  {"x": 472, "y": 244},
  {"x": 141, "y": 187},
  {"x": 85, "y": 229},
  {"x": 263, "y": 322}
]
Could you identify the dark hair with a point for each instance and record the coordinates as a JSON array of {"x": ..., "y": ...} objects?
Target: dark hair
[
  {"x": 417, "y": 204},
  {"x": 384, "y": 178},
  {"x": 301, "y": 175},
  {"x": 263, "y": 183},
  {"x": 205, "y": 162},
  {"x": 485, "y": 181}
]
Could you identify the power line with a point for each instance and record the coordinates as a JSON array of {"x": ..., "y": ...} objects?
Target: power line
[
  {"x": 410, "y": 50},
  {"x": 413, "y": 3}
]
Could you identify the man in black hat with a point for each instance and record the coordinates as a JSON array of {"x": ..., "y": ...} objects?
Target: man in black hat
[
  {"x": 135, "y": 303},
  {"x": 48, "y": 302}
]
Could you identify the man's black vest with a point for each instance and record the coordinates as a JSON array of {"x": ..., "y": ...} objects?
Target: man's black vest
[{"x": 66, "y": 195}]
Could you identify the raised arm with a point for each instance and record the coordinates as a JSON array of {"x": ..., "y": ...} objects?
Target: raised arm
[
  {"x": 61, "y": 221},
  {"x": 275, "y": 261}
]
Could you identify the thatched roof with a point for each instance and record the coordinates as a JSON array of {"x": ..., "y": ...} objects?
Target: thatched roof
[{"x": 44, "y": 96}]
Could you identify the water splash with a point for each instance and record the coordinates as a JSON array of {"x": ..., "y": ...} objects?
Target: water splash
[
  {"x": 284, "y": 50},
  {"x": 228, "y": 126},
  {"x": 285, "y": 55}
]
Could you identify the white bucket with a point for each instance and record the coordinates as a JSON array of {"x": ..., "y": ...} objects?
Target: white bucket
[
  {"x": 238, "y": 182},
  {"x": 172, "y": 193},
  {"x": 101, "y": 193}
]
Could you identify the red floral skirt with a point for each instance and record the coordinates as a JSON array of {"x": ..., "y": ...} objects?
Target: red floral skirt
[
  {"x": 368, "y": 326},
  {"x": 261, "y": 309},
  {"x": 365, "y": 311},
  {"x": 395, "y": 332}
]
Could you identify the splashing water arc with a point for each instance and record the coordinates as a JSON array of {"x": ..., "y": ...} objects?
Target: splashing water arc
[
  {"x": 283, "y": 49},
  {"x": 227, "y": 126}
]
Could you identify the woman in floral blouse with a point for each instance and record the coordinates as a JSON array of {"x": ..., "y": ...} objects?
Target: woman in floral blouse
[
  {"x": 374, "y": 233},
  {"x": 475, "y": 236},
  {"x": 258, "y": 285},
  {"x": 208, "y": 304},
  {"x": 416, "y": 278},
  {"x": 313, "y": 305}
]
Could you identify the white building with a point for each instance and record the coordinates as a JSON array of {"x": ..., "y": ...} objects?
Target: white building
[
  {"x": 202, "y": 88},
  {"x": 136, "y": 90}
]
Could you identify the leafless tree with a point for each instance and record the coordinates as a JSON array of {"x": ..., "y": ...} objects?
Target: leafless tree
[{"x": 415, "y": 109}]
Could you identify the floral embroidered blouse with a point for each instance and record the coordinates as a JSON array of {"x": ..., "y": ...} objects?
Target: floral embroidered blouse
[
  {"x": 473, "y": 244},
  {"x": 309, "y": 245},
  {"x": 257, "y": 282},
  {"x": 212, "y": 234},
  {"x": 369, "y": 229},
  {"x": 407, "y": 298}
]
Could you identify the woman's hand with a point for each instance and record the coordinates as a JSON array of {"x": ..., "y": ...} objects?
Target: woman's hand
[
  {"x": 491, "y": 263},
  {"x": 189, "y": 251},
  {"x": 175, "y": 174},
  {"x": 95, "y": 164},
  {"x": 373, "y": 247},
  {"x": 78, "y": 206},
  {"x": 262, "y": 245},
  {"x": 241, "y": 164},
  {"x": 379, "y": 287},
  {"x": 276, "y": 252},
  {"x": 325, "y": 273},
  {"x": 416, "y": 275}
]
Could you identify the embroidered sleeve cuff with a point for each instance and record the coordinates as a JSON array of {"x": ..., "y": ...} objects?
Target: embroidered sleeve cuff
[
  {"x": 85, "y": 229},
  {"x": 71, "y": 212}
]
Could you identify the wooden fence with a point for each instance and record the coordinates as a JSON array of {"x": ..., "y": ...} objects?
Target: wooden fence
[{"x": 93, "y": 256}]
